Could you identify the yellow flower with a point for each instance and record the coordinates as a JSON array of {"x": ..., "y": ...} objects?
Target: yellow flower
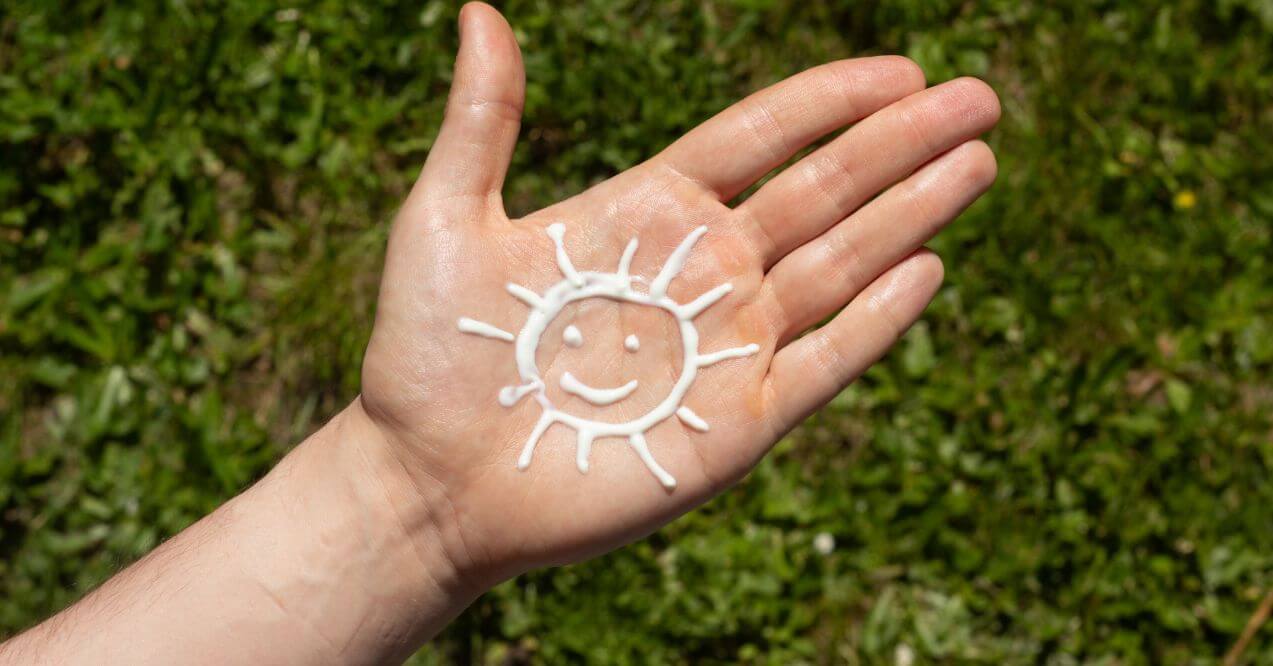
[{"x": 1185, "y": 199}]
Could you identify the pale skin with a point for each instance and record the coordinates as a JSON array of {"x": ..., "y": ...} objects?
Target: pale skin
[{"x": 381, "y": 527}]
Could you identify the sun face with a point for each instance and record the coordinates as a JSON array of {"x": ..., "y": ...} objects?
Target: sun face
[{"x": 616, "y": 286}]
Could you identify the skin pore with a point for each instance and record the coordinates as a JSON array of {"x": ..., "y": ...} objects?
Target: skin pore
[{"x": 374, "y": 532}]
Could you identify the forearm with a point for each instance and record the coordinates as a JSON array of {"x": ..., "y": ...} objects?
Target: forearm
[{"x": 330, "y": 557}]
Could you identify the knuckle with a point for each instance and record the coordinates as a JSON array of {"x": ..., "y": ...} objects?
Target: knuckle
[
  {"x": 924, "y": 201},
  {"x": 827, "y": 354},
  {"x": 506, "y": 109},
  {"x": 776, "y": 307},
  {"x": 843, "y": 78},
  {"x": 918, "y": 119},
  {"x": 759, "y": 236},
  {"x": 843, "y": 259},
  {"x": 829, "y": 178},
  {"x": 856, "y": 79},
  {"x": 882, "y": 309},
  {"x": 764, "y": 128}
]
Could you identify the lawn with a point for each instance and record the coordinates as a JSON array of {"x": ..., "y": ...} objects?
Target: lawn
[{"x": 1069, "y": 460}]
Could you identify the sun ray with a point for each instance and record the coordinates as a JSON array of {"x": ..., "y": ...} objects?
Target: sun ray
[
  {"x": 689, "y": 418},
  {"x": 509, "y": 395},
  {"x": 583, "y": 449},
  {"x": 625, "y": 262},
  {"x": 643, "y": 452},
  {"x": 546, "y": 419},
  {"x": 675, "y": 262},
  {"x": 557, "y": 231},
  {"x": 525, "y": 295},
  {"x": 707, "y": 300},
  {"x": 483, "y": 329},
  {"x": 705, "y": 360}
]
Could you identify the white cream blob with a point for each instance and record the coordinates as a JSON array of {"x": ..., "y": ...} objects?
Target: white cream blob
[
  {"x": 689, "y": 418},
  {"x": 484, "y": 329},
  {"x": 617, "y": 286},
  {"x": 572, "y": 337}
]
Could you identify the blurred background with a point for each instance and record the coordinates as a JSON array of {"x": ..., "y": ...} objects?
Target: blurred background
[{"x": 1070, "y": 460}]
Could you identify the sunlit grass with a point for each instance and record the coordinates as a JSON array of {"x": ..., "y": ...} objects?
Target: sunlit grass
[{"x": 1071, "y": 459}]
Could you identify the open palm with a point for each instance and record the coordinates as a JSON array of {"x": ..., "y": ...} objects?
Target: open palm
[{"x": 839, "y": 233}]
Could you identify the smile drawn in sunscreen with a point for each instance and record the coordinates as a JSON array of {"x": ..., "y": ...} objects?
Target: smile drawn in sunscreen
[{"x": 616, "y": 286}]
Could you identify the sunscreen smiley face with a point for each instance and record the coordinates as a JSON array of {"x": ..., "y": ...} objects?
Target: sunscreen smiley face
[{"x": 617, "y": 286}]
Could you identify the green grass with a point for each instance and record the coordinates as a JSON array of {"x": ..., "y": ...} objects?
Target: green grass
[{"x": 1070, "y": 461}]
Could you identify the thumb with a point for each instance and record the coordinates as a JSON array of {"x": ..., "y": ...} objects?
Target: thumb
[{"x": 483, "y": 113}]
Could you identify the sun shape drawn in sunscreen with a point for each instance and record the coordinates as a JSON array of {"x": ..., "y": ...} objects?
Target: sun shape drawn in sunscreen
[{"x": 617, "y": 286}]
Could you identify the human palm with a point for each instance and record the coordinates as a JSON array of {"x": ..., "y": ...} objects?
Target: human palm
[{"x": 838, "y": 234}]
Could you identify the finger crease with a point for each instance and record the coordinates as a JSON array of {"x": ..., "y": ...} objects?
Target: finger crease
[
  {"x": 759, "y": 235},
  {"x": 759, "y": 119},
  {"x": 882, "y": 308}
]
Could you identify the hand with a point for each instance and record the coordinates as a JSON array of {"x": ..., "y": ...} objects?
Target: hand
[
  {"x": 814, "y": 241},
  {"x": 383, "y": 525}
]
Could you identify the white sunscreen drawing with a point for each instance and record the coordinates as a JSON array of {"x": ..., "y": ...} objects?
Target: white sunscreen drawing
[
  {"x": 616, "y": 286},
  {"x": 594, "y": 395}
]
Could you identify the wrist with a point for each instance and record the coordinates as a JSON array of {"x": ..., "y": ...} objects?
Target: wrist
[
  {"x": 331, "y": 558},
  {"x": 383, "y": 540},
  {"x": 424, "y": 510}
]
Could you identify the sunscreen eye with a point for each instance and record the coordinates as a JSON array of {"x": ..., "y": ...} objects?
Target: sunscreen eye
[
  {"x": 631, "y": 343},
  {"x": 572, "y": 337}
]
